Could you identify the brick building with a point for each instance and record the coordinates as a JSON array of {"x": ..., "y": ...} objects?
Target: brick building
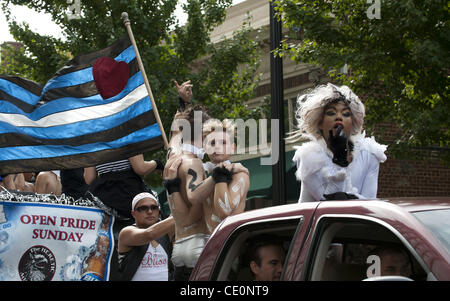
[{"x": 427, "y": 176}]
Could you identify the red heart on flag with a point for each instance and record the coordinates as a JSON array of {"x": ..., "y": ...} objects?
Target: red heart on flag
[{"x": 110, "y": 76}]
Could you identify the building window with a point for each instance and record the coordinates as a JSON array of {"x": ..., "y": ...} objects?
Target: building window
[{"x": 289, "y": 115}]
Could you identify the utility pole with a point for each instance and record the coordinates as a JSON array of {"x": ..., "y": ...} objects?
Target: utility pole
[{"x": 277, "y": 105}]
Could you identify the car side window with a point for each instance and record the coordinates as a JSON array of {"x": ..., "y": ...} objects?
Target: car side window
[
  {"x": 349, "y": 249},
  {"x": 233, "y": 263}
]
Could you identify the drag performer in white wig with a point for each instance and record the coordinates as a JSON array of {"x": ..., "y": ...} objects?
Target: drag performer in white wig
[{"x": 338, "y": 162}]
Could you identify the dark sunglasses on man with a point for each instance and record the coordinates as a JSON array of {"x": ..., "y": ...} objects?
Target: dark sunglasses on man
[{"x": 146, "y": 208}]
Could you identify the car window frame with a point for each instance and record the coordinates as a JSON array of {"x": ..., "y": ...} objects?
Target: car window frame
[
  {"x": 325, "y": 220},
  {"x": 436, "y": 235},
  {"x": 253, "y": 226}
]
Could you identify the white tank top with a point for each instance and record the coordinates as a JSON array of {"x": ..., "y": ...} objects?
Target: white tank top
[{"x": 154, "y": 266}]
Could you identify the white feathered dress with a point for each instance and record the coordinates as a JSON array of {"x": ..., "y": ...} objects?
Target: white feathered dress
[{"x": 319, "y": 175}]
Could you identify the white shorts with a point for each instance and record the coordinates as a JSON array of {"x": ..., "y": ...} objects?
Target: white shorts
[{"x": 187, "y": 250}]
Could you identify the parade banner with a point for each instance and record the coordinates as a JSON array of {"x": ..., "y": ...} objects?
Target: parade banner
[{"x": 47, "y": 241}]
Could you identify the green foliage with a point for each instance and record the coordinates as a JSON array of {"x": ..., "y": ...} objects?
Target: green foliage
[
  {"x": 19, "y": 60},
  {"x": 225, "y": 87},
  {"x": 399, "y": 63},
  {"x": 169, "y": 51}
]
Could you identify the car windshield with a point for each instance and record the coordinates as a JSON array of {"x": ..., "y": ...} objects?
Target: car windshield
[{"x": 438, "y": 221}]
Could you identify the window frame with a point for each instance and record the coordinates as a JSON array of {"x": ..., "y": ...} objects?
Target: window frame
[
  {"x": 242, "y": 233},
  {"x": 322, "y": 225}
]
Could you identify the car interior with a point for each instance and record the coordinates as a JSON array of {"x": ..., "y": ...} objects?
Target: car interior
[
  {"x": 339, "y": 251},
  {"x": 233, "y": 264},
  {"x": 342, "y": 250}
]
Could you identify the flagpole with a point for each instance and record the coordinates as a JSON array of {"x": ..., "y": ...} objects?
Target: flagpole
[{"x": 126, "y": 22}]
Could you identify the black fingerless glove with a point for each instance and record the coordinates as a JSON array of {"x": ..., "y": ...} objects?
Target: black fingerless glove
[
  {"x": 340, "y": 196},
  {"x": 338, "y": 146},
  {"x": 159, "y": 165},
  {"x": 222, "y": 174},
  {"x": 172, "y": 185}
]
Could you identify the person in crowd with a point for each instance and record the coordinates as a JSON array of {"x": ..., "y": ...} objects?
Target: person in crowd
[
  {"x": 394, "y": 261},
  {"x": 24, "y": 182},
  {"x": 8, "y": 181},
  {"x": 266, "y": 257},
  {"x": 187, "y": 192},
  {"x": 338, "y": 161},
  {"x": 230, "y": 190},
  {"x": 18, "y": 182},
  {"x": 72, "y": 183},
  {"x": 185, "y": 200},
  {"x": 145, "y": 248},
  {"x": 116, "y": 183},
  {"x": 194, "y": 187},
  {"x": 48, "y": 182}
]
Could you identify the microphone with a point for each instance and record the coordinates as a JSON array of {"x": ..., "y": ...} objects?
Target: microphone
[{"x": 339, "y": 130}]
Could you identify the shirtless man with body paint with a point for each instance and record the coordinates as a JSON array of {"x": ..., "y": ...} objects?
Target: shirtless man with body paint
[
  {"x": 188, "y": 193},
  {"x": 228, "y": 198}
]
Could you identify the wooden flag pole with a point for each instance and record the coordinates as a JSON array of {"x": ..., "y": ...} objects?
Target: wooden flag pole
[{"x": 126, "y": 22}]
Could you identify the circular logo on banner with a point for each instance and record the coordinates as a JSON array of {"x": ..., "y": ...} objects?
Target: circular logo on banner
[{"x": 37, "y": 264}]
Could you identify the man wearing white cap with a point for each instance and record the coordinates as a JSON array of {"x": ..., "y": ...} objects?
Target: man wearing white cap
[{"x": 145, "y": 247}]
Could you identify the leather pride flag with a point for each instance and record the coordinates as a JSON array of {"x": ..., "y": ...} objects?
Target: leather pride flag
[{"x": 96, "y": 109}]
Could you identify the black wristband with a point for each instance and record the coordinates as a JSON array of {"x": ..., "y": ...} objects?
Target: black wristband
[
  {"x": 222, "y": 174},
  {"x": 172, "y": 185},
  {"x": 182, "y": 104},
  {"x": 159, "y": 165}
]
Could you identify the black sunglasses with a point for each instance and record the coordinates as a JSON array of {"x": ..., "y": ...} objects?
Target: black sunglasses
[{"x": 145, "y": 208}]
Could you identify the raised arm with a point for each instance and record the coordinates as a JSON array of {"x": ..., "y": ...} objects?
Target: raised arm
[
  {"x": 184, "y": 98},
  {"x": 132, "y": 236},
  {"x": 184, "y": 93},
  {"x": 142, "y": 167}
]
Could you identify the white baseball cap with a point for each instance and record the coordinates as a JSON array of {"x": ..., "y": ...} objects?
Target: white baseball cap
[{"x": 140, "y": 196}]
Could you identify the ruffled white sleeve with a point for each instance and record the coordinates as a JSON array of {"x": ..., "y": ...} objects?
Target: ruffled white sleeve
[
  {"x": 317, "y": 173},
  {"x": 372, "y": 155}
]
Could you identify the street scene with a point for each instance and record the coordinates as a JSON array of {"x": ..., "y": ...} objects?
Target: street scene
[{"x": 193, "y": 142}]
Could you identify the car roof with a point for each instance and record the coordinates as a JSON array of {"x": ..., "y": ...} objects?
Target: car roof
[
  {"x": 415, "y": 204},
  {"x": 409, "y": 204}
]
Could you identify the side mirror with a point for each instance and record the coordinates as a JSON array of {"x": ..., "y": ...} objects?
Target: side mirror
[{"x": 388, "y": 278}]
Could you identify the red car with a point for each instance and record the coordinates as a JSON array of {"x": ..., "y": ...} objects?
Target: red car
[{"x": 333, "y": 240}]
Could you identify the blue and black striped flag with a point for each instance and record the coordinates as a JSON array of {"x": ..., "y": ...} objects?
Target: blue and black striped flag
[{"x": 96, "y": 109}]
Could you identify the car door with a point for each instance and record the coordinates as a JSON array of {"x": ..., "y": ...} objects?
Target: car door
[
  {"x": 231, "y": 264},
  {"x": 344, "y": 244}
]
